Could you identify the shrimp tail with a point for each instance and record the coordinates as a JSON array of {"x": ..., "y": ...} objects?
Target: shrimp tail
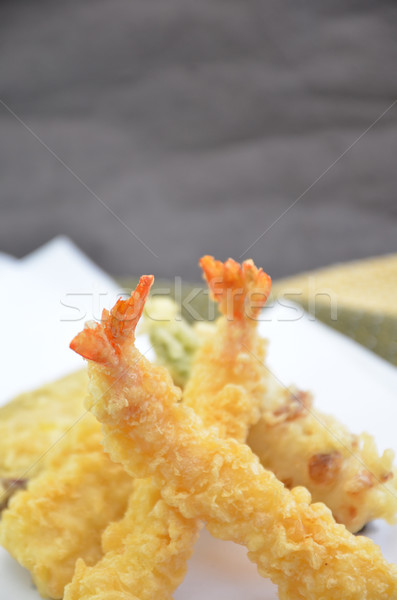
[
  {"x": 102, "y": 342},
  {"x": 241, "y": 290}
]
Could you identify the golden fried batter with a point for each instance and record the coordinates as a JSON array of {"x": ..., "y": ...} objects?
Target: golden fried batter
[
  {"x": 229, "y": 361},
  {"x": 31, "y": 423},
  {"x": 295, "y": 543},
  {"x": 145, "y": 554},
  {"x": 147, "y": 551},
  {"x": 63, "y": 512},
  {"x": 304, "y": 447}
]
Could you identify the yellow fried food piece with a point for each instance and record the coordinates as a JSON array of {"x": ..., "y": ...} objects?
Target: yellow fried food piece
[
  {"x": 63, "y": 512},
  {"x": 295, "y": 543},
  {"x": 230, "y": 360},
  {"x": 31, "y": 423},
  {"x": 147, "y": 551},
  {"x": 305, "y": 447}
]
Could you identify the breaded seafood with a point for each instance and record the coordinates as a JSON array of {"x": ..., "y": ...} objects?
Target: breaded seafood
[
  {"x": 230, "y": 360},
  {"x": 146, "y": 553},
  {"x": 295, "y": 543},
  {"x": 305, "y": 447},
  {"x": 31, "y": 423},
  {"x": 63, "y": 512},
  {"x": 301, "y": 445}
]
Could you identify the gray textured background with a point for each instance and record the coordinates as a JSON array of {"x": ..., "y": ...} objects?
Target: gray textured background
[{"x": 199, "y": 124}]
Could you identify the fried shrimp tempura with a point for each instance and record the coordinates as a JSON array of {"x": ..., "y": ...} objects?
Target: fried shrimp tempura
[
  {"x": 145, "y": 554},
  {"x": 302, "y": 446},
  {"x": 305, "y": 447},
  {"x": 65, "y": 509},
  {"x": 31, "y": 423},
  {"x": 230, "y": 361},
  {"x": 295, "y": 543}
]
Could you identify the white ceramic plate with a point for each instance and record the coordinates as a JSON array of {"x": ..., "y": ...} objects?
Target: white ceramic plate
[{"x": 348, "y": 381}]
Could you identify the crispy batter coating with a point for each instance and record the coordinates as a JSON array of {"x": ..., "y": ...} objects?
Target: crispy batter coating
[
  {"x": 65, "y": 509},
  {"x": 228, "y": 381},
  {"x": 31, "y": 423},
  {"x": 147, "y": 551},
  {"x": 295, "y": 543},
  {"x": 304, "y": 447}
]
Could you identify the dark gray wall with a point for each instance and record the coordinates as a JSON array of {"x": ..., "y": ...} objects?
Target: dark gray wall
[{"x": 199, "y": 124}]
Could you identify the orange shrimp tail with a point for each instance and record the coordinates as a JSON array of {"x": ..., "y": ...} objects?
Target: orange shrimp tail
[
  {"x": 102, "y": 342},
  {"x": 240, "y": 289}
]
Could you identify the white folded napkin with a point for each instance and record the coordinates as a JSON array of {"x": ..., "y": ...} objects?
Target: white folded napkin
[{"x": 45, "y": 299}]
